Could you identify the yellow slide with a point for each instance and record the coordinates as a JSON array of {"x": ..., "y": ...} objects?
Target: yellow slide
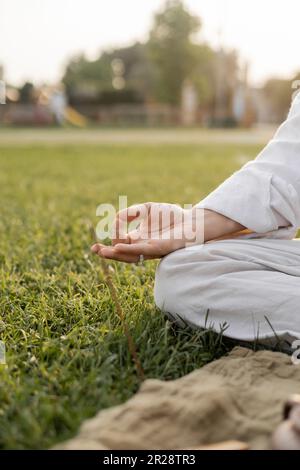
[{"x": 75, "y": 118}]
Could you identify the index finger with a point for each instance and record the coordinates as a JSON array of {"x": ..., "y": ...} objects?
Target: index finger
[{"x": 123, "y": 218}]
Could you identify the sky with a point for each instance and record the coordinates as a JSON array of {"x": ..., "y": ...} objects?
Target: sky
[{"x": 37, "y": 37}]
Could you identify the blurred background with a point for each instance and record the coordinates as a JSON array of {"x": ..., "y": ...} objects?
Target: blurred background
[{"x": 222, "y": 63}]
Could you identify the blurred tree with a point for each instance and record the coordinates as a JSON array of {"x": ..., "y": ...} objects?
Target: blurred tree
[
  {"x": 203, "y": 73},
  {"x": 156, "y": 70},
  {"x": 87, "y": 78},
  {"x": 172, "y": 50},
  {"x": 120, "y": 75},
  {"x": 224, "y": 82},
  {"x": 278, "y": 93},
  {"x": 26, "y": 93},
  {"x": 138, "y": 72}
]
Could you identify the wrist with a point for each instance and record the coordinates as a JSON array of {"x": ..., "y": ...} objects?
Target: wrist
[{"x": 218, "y": 226}]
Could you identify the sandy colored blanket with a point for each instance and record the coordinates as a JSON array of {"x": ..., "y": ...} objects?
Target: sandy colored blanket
[{"x": 239, "y": 396}]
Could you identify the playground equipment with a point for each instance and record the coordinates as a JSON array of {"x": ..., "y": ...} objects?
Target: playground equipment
[
  {"x": 74, "y": 117},
  {"x": 58, "y": 105}
]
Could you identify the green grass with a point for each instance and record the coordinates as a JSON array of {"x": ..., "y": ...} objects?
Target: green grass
[{"x": 67, "y": 356}]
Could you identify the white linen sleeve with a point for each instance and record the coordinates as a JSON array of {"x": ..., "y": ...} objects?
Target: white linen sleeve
[{"x": 264, "y": 196}]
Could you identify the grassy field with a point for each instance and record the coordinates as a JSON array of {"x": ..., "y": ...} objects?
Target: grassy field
[{"x": 66, "y": 353}]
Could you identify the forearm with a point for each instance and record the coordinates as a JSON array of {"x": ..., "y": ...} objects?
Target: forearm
[{"x": 218, "y": 226}]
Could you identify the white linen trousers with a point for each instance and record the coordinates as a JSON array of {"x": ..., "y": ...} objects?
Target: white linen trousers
[{"x": 251, "y": 283}]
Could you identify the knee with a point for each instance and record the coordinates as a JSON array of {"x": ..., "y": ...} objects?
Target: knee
[
  {"x": 164, "y": 281},
  {"x": 166, "y": 293},
  {"x": 178, "y": 276}
]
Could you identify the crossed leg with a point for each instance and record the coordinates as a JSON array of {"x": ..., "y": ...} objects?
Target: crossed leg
[{"x": 251, "y": 285}]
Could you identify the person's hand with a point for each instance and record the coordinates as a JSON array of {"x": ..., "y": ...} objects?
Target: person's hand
[{"x": 160, "y": 229}]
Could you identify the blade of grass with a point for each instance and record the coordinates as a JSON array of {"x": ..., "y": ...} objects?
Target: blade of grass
[{"x": 120, "y": 312}]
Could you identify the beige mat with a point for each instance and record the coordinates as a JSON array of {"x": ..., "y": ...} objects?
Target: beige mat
[{"x": 239, "y": 397}]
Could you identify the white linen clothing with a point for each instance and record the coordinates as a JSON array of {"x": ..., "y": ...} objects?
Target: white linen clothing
[
  {"x": 264, "y": 196},
  {"x": 251, "y": 283}
]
